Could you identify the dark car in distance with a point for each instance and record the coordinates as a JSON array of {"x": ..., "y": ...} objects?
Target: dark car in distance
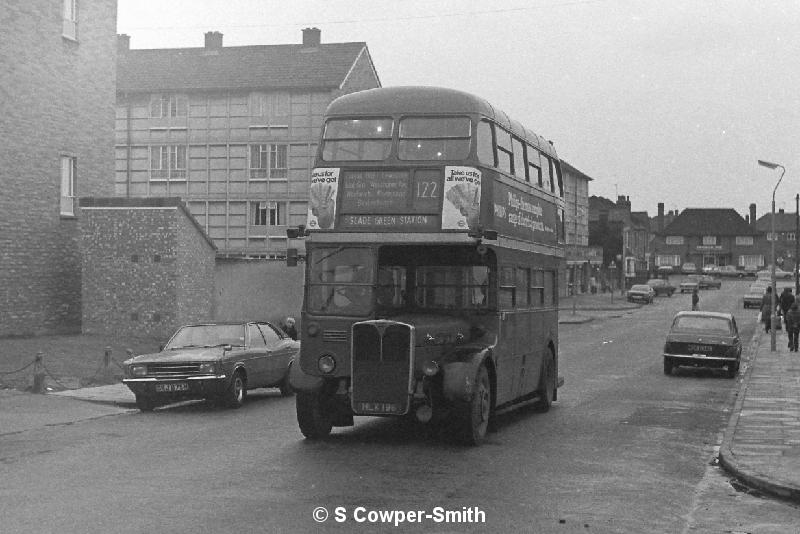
[
  {"x": 709, "y": 282},
  {"x": 703, "y": 339},
  {"x": 730, "y": 271},
  {"x": 661, "y": 286},
  {"x": 218, "y": 362},
  {"x": 641, "y": 293}
]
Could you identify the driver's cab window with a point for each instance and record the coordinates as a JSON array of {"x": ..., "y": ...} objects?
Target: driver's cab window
[
  {"x": 256, "y": 339},
  {"x": 391, "y": 286}
]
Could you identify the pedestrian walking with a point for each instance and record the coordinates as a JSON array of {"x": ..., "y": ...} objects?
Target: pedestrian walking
[
  {"x": 785, "y": 301},
  {"x": 766, "y": 309},
  {"x": 793, "y": 326},
  {"x": 695, "y": 300}
]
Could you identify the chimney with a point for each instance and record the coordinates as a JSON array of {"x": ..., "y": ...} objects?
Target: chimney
[
  {"x": 123, "y": 43},
  {"x": 780, "y": 211},
  {"x": 213, "y": 40},
  {"x": 311, "y": 37},
  {"x": 660, "y": 220},
  {"x": 747, "y": 219},
  {"x": 753, "y": 215}
]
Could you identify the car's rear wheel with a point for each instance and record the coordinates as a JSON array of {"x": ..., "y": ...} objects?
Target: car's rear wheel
[
  {"x": 145, "y": 403},
  {"x": 668, "y": 366},
  {"x": 237, "y": 391},
  {"x": 312, "y": 415},
  {"x": 733, "y": 370}
]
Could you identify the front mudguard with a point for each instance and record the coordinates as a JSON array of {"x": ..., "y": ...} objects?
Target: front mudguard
[
  {"x": 301, "y": 381},
  {"x": 458, "y": 382}
]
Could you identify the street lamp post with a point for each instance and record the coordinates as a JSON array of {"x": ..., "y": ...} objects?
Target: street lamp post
[
  {"x": 796, "y": 243},
  {"x": 773, "y": 166}
]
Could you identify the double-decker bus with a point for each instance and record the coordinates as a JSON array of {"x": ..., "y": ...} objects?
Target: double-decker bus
[{"x": 434, "y": 239}]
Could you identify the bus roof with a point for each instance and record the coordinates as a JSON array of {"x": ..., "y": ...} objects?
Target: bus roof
[{"x": 422, "y": 100}]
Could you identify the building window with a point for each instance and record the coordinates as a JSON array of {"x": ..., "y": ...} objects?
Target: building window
[
  {"x": 709, "y": 240},
  {"x": 752, "y": 261},
  {"x": 668, "y": 260},
  {"x": 69, "y": 171},
  {"x": 168, "y": 106},
  {"x": 744, "y": 240},
  {"x": 70, "y": 26},
  {"x": 277, "y": 213},
  {"x": 269, "y": 162},
  {"x": 259, "y": 213},
  {"x": 269, "y": 105},
  {"x": 674, "y": 240},
  {"x": 168, "y": 162},
  {"x": 790, "y": 236}
]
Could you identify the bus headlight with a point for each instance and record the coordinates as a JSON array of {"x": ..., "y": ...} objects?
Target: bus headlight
[
  {"x": 326, "y": 364},
  {"x": 430, "y": 368}
]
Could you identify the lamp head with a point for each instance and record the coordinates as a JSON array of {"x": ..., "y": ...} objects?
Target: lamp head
[{"x": 768, "y": 164}]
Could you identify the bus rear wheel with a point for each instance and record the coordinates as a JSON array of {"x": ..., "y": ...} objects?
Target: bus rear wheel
[
  {"x": 474, "y": 416},
  {"x": 547, "y": 385},
  {"x": 315, "y": 422}
]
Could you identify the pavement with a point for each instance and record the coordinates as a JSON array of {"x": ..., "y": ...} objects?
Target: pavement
[{"x": 760, "y": 446}]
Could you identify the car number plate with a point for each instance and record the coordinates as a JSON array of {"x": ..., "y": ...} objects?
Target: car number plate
[
  {"x": 700, "y": 348},
  {"x": 378, "y": 407},
  {"x": 172, "y": 387}
]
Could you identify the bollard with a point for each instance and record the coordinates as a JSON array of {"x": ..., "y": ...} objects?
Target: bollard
[
  {"x": 39, "y": 374},
  {"x": 107, "y": 357}
]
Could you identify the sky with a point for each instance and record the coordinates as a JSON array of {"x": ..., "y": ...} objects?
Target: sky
[{"x": 671, "y": 101}]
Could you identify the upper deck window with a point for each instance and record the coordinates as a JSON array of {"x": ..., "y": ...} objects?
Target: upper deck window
[
  {"x": 434, "y": 138},
  {"x": 357, "y": 139}
]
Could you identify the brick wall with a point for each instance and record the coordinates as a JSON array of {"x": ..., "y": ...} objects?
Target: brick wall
[
  {"x": 147, "y": 267},
  {"x": 195, "y": 273},
  {"x": 59, "y": 100}
]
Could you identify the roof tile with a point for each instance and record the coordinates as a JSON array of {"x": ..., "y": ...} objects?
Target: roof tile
[{"x": 264, "y": 66}]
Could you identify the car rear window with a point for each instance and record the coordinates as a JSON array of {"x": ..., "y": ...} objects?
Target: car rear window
[{"x": 694, "y": 323}]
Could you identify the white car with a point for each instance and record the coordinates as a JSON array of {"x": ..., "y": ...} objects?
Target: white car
[{"x": 780, "y": 274}]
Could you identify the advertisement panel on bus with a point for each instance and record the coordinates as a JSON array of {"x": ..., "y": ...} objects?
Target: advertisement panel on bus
[{"x": 427, "y": 200}]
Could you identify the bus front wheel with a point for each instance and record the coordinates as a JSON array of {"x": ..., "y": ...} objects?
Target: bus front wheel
[
  {"x": 474, "y": 417},
  {"x": 314, "y": 421}
]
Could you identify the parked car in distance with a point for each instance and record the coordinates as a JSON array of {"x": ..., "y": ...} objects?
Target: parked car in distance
[
  {"x": 710, "y": 269},
  {"x": 661, "y": 286},
  {"x": 217, "y": 362},
  {"x": 703, "y": 339},
  {"x": 641, "y": 293},
  {"x": 690, "y": 283},
  {"x": 689, "y": 268},
  {"x": 709, "y": 282},
  {"x": 730, "y": 271},
  {"x": 750, "y": 270},
  {"x": 752, "y": 298},
  {"x": 665, "y": 270},
  {"x": 780, "y": 274}
]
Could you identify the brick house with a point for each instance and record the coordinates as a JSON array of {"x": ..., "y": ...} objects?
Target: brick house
[
  {"x": 708, "y": 236},
  {"x": 232, "y": 130},
  {"x": 582, "y": 259},
  {"x": 624, "y": 237},
  {"x": 148, "y": 267},
  {"x": 57, "y": 132},
  {"x": 786, "y": 234}
]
